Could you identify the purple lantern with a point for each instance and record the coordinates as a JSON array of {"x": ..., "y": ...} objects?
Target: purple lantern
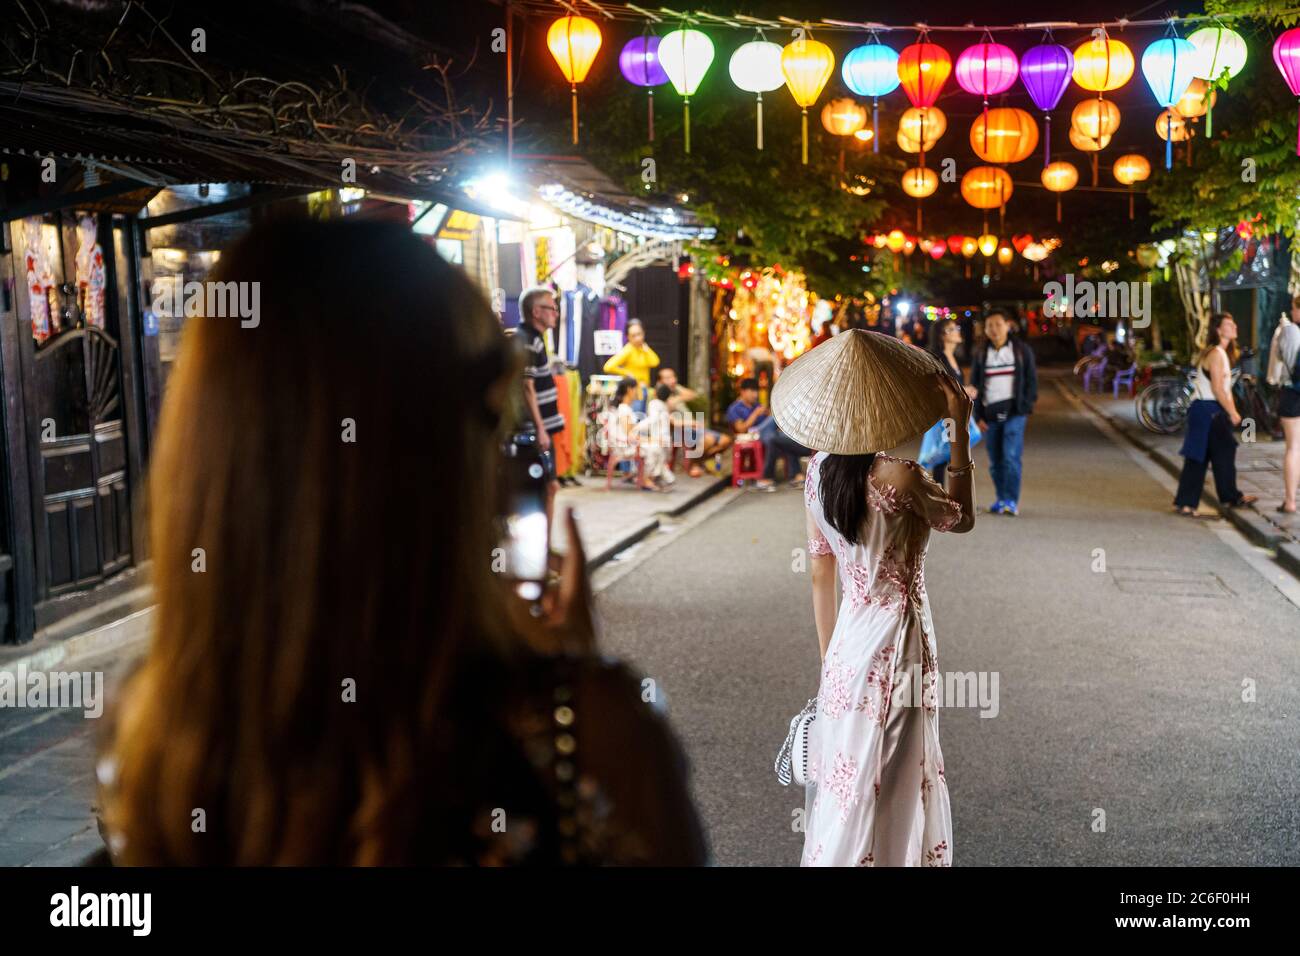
[
  {"x": 639, "y": 64},
  {"x": 1045, "y": 70}
]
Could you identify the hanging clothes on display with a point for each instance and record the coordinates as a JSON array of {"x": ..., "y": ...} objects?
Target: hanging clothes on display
[
  {"x": 562, "y": 442},
  {"x": 578, "y": 326}
]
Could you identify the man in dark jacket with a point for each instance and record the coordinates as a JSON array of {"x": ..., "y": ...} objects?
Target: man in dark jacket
[{"x": 1006, "y": 385}]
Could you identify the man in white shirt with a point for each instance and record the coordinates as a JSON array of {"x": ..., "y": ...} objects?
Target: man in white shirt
[{"x": 1005, "y": 379}]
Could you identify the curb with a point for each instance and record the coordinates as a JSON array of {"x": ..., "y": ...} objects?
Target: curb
[
  {"x": 1253, "y": 525},
  {"x": 643, "y": 531}
]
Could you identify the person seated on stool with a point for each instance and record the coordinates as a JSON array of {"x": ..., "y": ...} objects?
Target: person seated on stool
[
  {"x": 747, "y": 415},
  {"x": 656, "y": 434},
  {"x": 624, "y": 441},
  {"x": 698, "y": 442}
]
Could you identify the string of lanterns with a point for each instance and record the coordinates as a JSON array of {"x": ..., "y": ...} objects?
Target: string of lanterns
[{"x": 1173, "y": 67}]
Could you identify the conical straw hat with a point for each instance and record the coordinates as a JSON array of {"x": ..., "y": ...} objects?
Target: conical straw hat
[{"x": 859, "y": 392}]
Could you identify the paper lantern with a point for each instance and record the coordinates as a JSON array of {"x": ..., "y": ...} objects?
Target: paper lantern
[
  {"x": 1021, "y": 241},
  {"x": 1219, "y": 50},
  {"x": 806, "y": 64},
  {"x": 1086, "y": 144},
  {"x": 1095, "y": 118},
  {"x": 639, "y": 63},
  {"x": 871, "y": 70},
  {"x": 919, "y": 182},
  {"x": 843, "y": 117},
  {"x": 986, "y": 187},
  {"x": 922, "y": 126},
  {"x": 1171, "y": 127},
  {"x": 925, "y": 242},
  {"x": 1059, "y": 177},
  {"x": 1168, "y": 66},
  {"x": 755, "y": 67},
  {"x": 686, "y": 56},
  {"x": 955, "y": 244},
  {"x": 969, "y": 246},
  {"x": 1286, "y": 54},
  {"x": 1102, "y": 64},
  {"x": 574, "y": 42},
  {"x": 988, "y": 244},
  {"x": 1005, "y": 255},
  {"x": 1196, "y": 101},
  {"x": 936, "y": 251},
  {"x": 986, "y": 69},
  {"x": 895, "y": 240},
  {"x": 923, "y": 68},
  {"x": 1129, "y": 169},
  {"x": 1045, "y": 72},
  {"x": 1004, "y": 135}
]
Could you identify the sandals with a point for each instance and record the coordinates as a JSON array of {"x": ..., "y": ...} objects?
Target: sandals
[
  {"x": 1283, "y": 509},
  {"x": 1243, "y": 500}
]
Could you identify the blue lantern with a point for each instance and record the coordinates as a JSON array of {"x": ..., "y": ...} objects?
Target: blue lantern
[
  {"x": 1169, "y": 66},
  {"x": 871, "y": 70}
]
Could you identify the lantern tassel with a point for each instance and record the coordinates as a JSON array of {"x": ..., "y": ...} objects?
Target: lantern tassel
[
  {"x": 1130, "y": 205},
  {"x": 1169, "y": 151},
  {"x": 1047, "y": 140},
  {"x": 1209, "y": 114},
  {"x": 760, "y": 120},
  {"x": 686, "y": 117},
  {"x": 1058, "y": 207},
  {"x": 875, "y": 125},
  {"x": 650, "y": 114},
  {"x": 575, "y": 114},
  {"x": 805, "y": 136},
  {"x": 1297, "y": 135}
]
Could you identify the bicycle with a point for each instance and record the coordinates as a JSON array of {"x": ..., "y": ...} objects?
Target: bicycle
[{"x": 1162, "y": 406}]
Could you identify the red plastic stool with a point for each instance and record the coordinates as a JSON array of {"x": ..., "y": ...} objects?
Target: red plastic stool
[{"x": 746, "y": 460}]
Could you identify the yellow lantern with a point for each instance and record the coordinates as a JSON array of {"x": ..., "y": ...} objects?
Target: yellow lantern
[
  {"x": 806, "y": 64},
  {"x": 988, "y": 244},
  {"x": 919, "y": 182},
  {"x": 843, "y": 116},
  {"x": 574, "y": 41},
  {"x": 926, "y": 244},
  {"x": 879, "y": 240},
  {"x": 969, "y": 246},
  {"x": 1170, "y": 125},
  {"x": 1086, "y": 144},
  {"x": 1059, "y": 177},
  {"x": 1196, "y": 101},
  {"x": 1004, "y": 135},
  {"x": 986, "y": 187},
  {"x": 1131, "y": 168},
  {"x": 895, "y": 240},
  {"x": 1102, "y": 64},
  {"x": 923, "y": 125},
  {"x": 1005, "y": 255},
  {"x": 1095, "y": 119}
]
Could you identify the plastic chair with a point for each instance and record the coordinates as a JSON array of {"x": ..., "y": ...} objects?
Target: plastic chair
[
  {"x": 1126, "y": 377},
  {"x": 1095, "y": 373},
  {"x": 746, "y": 459}
]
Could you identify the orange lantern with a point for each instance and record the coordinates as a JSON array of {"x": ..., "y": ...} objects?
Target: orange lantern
[
  {"x": 986, "y": 187},
  {"x": 1170, "y": 125},
  {"x": 574, "y": 41},
  {"x": 1085, "y": 144},
  {"x": 1196, "y": 101},
  {"x": 1102, "y": 64},
  {"x": 1005, "y": 255},
  {"x": 1095, "y": 118},
  {"x": 843, "y": 116},
  {"x": 1129, "y": 169},
  {"x": 1059, "y": 177},
  {"x": 969, "y": 246},
  {"x": 909, "y": 247},
  {"x": 1004, "y": 135},
  {"x": 920, "y": 182},
  {"x": 879, "y": 240},
  {"x": 920, "y": 127}
]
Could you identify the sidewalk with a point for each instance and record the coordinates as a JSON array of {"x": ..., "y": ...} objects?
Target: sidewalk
[{"x": 1259, "y": 472}]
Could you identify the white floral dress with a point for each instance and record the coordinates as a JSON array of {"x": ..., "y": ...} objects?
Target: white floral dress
[{"x": 876, "y": 793}]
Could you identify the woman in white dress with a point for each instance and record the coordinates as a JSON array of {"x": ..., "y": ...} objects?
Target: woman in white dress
[{"x": 876, "y": 794}]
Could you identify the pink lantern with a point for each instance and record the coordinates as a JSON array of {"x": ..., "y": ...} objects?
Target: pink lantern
[
  {"x": 1286, "y": 54},
  {"x": 986, "y": 69}
]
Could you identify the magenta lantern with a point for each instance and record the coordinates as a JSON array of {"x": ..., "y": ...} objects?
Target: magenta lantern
[
  {"x": 1045, "y": 71},
  {"x": 639, "y": 64},
  {"x": 1286, "y": 54},
  {"x": 986, "y": 69}
]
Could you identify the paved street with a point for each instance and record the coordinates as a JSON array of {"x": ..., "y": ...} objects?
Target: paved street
[{"x": 1120, "y": 691}]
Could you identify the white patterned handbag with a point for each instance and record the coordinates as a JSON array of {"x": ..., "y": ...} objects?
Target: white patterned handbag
[{"x": 792, "y": 761}]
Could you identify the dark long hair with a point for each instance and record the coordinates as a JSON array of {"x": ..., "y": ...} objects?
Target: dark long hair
[
  {"x": 843, "y": 488},
  {"x": 340, "y": 521}
]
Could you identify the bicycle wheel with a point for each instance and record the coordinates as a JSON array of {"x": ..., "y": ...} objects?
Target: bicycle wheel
[{"x": 1162, "y": 407}]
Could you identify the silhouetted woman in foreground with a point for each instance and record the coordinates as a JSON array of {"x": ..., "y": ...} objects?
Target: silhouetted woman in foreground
[{"x": 343, "y": 679}]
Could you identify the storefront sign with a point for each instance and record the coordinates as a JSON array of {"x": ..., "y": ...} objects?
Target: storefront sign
[{"x": 608, "y": 342}]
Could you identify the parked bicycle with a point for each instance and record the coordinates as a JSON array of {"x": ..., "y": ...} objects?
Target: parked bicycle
[{"x": 1162, "y": 406}]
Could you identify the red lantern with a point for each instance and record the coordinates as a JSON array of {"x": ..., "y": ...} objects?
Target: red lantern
[
  {"x": 923, "y": 68},
  {"x": 954, "y": 244}
]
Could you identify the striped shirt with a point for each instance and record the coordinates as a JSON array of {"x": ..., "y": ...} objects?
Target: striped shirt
[
  {"x": 537, "y": 369},
  {"x": 999, "y": 375}
]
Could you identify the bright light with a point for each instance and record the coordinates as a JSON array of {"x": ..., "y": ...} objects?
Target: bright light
[
  {"x": 864, "y": 134},
  {"x": 903, "y": 307}
]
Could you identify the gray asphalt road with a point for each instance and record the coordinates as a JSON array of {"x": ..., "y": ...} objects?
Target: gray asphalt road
[{"x": 1120, "y": 690}]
